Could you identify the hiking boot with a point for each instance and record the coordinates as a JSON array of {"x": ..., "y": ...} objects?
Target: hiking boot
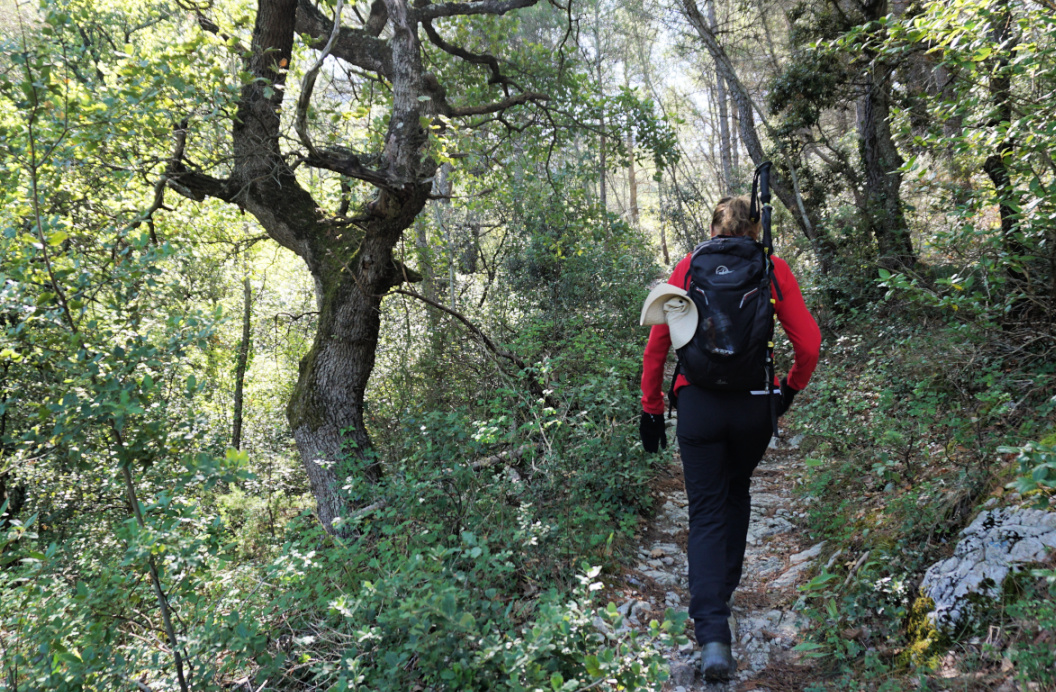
[{"x": 716, "y": 662}]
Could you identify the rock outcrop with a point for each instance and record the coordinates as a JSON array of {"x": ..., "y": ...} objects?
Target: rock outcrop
[{"x": 990, "y": 548}]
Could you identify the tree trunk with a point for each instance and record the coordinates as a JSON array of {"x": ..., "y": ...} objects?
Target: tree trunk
[
  {"x": 425, "y": 259},
  {"x": 881, "y": 163},
  {"x": 725, "y": 150},
  {"x": 995, "y": 165},
  {"x": 881, "y": 198},
  {"x": 632, "y": 177},
  {"x": 1052, "y": 274},
  {"x": 667, "y": 256},
  {"x": 735, "y": 141},
  {"x": 326, "y": 410},
  {"x": 632, "y": 181},
  {"x": 603, "y": 165},
  {"x": 352, "y": 266},
  {"x": 242, "y": 362},
  {"x": 13, "y": 496}
]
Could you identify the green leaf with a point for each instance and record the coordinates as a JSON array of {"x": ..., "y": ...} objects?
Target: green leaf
[{"x": 448, "y": 605}]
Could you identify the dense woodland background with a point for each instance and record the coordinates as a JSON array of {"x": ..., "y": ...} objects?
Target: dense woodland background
[{"x": 319, "y": 358}]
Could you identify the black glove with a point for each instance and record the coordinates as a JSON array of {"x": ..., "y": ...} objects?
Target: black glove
[
  {"x": 787, "y": 395},
  {"x": 652, "y": 430}
]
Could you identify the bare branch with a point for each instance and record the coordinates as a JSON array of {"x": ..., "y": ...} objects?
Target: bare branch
[
  {"x": 507, "y": 456},
  {"x": 308, "y": 83},
  {"x": 533, "y": 385},
  {"x": 477, "y": 59},
  {"x": 341, "y": 160},
  {"x": 355, "y": 46},
  {"x": 499, "y": 106},
  {"x": 453, "y": 9}
]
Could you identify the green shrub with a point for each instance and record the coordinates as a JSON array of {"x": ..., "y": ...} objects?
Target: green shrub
[
  {"x": 1037, "y": 468},
  {"x": 1034, "y": 611}
]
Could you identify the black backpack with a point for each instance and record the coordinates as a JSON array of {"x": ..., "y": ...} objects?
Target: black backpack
[{"x": 729, "y": 280}]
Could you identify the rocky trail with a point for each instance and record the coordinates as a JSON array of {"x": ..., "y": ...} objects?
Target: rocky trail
[{"x": 778, "y": 558}]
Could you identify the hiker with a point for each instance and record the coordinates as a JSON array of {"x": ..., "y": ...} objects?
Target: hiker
[{"x": 722, "y": 433}]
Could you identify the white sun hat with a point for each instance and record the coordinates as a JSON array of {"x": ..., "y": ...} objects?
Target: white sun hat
[{"x": 671, "y": 305}]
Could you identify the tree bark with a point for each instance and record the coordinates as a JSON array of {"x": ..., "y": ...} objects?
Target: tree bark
[
  {"x": 603, "y": 165},
  {"x": 242, "y": 362},
  {"x": 667, "y": 256},
  {"x": 735, "y": 142},
  {"x": 883, "y": 180},
  {"x": 995, "y": 165},
  {"x": 725, "y": 150},
  {"x": 881, "y": 162},
  {"x": 632, "y": 177}
]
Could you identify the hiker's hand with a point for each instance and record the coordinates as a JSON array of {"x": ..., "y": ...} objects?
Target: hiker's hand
[
  {"x": 787, "y": 395},
  {"x": 652, "y": 430}
]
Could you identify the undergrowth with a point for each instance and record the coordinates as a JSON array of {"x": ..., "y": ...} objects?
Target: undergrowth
[
  {"x": 476, "y": 562},
  {"x": 904, "y": 427}
]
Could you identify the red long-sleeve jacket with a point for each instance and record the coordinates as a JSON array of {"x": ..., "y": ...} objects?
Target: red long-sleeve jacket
[{"x": 792, "y": 313}]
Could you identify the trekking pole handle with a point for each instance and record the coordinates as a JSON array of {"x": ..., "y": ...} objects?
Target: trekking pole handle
[{"x": 763, "y": 171}]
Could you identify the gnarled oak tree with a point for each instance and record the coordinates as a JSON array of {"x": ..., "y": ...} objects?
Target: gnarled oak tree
[{"x": 350, "y": 259}]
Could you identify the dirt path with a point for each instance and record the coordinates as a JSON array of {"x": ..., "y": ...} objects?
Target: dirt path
[{"x": 778, "y": 558}]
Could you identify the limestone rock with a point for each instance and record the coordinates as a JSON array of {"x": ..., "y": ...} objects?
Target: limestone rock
[
  {"x": 662, "y": 578},
  {"x": 790, "y": 576},
  {"x": 997, "y": 541},
  {"x": 808, "y": 554},
  {"x": 765, "y": 500}
]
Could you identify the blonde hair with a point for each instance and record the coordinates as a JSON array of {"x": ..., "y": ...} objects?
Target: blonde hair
[{"x": 731, "y": 217}]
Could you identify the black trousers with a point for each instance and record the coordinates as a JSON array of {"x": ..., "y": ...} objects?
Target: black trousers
[{"x": 722, "y": 436}]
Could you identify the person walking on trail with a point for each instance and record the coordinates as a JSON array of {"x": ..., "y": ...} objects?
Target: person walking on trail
[{"x": 722, "y": 434}]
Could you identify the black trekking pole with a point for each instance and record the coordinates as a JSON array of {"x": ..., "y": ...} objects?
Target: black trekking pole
[
  {"x": 762, "y": 212},
  {"x": 761, "y": 193}
]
